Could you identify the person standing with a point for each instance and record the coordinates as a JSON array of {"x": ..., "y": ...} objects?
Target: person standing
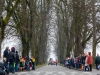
[
  {"x": 33, "y": 63},
  {"x": 22, "y": 64},
  {"x": 17, "y": 61},
  {"x": 90, "y": 61},
  {"x": 27, "y": 63},
  {"x": 12, "y": 57},
  {"x": 6, "y": 56},
  {"x": 56, "y": 62},
  {"x": 97, "y": 61}
]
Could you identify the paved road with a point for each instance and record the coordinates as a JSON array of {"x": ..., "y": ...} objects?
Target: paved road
[{"x": 57, "y": 70}]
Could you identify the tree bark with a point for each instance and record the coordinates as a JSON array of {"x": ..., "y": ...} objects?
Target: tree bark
[{"x": 94, "y": 33}]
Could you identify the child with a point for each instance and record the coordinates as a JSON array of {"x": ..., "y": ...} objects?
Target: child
[
  {"x": 21, "y": 64},
  {"x": 30, "y": 63}
]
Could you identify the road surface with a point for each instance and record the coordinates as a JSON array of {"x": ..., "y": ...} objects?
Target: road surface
[{"x": 57, "y": 70}]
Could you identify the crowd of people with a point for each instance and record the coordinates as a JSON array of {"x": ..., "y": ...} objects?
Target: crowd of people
[
  {"x": 82, "y": 62},
  {"x": 52, "y": 62},
  {"x": 14, "y": 63}
]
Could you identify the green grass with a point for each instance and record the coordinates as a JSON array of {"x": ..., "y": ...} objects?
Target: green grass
[
  {"x": 38, "y": 66},
  {"x": 60, "y": 64}
]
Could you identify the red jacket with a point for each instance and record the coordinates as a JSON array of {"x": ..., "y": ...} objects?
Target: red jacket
[
  {"x": 90, "y": 60},
  {"x": 56, "y": 61}
]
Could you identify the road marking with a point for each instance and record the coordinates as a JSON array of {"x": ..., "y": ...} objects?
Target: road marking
[
  {"x": 36, "y": 73},
  {"x": 73, "y": 72},
  {"x": 22, "y": 73},
  {"x": 48, "y": 72},
  {"x": 87, "y": 72},
  {"x": 55, "y": 73},
  {"x": 62, "y": 73}
]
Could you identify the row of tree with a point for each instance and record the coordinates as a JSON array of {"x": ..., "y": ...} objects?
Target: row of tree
[
  {"x": 29, "y": 19},
  {"x": 77, "y": 23}
]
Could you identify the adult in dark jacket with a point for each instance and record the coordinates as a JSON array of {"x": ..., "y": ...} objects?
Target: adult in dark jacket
[
  {"x": 97, "y": 61},
  {"x": 12, "y": 57},
  {"x": 84, "y": 57},
  {"x": 27, "y": 63},
  {"x": 33, "y": 63},
  {"x": 17, "y": 61},
  {"x": 6, "y": 56}
]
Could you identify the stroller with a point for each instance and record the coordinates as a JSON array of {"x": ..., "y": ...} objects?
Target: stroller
[
  {"x": 98, "y": 67},
  {"x": 3, "y": 68},
  {"x": 5, "y": 72}
]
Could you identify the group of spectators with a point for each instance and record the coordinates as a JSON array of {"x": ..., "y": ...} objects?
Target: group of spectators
[
  {"x": 82, "y": 62},
  {"x": 14, "y": 63},
  {"x": 52, "y": 62}
]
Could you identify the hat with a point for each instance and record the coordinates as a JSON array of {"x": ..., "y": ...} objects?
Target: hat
[{"x": 13, "y": 49}]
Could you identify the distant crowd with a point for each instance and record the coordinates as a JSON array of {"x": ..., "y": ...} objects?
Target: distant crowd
[
  {"x": 82, "y": 62},
  {"x": 14, "y": 63},
  {"x": 52, "y": 62}
]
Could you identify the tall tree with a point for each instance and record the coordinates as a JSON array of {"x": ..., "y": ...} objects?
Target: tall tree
[{"x": 94, "y": 30}]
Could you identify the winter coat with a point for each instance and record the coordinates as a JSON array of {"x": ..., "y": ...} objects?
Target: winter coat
[
  {"x": 6, "y": 55},
  {"x": 89, "y": 60},
  {"x": 75, "y": 60},
  {"x": 17, "y": 59},
  {"x": 33, "y": 59},
  {"x": 79, "y": 60},
  {"x": 97, "y": 60},
  {"x": 12, "y": 56},
  {"x": 56, "y": 61},
  {"x": 84, "y": 58},
  {"x": 27, "y": 59}
]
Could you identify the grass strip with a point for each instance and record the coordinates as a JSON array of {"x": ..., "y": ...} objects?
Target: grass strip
[{"x": 38, "y": 66}]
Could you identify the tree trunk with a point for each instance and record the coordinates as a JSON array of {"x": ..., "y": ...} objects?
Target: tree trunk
[
  {"x": 94, "y": 33},
  {"x": 1, "y": 23},
  {"x": 25, "y": 47},
  {"x": 32, "y": 22}
]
